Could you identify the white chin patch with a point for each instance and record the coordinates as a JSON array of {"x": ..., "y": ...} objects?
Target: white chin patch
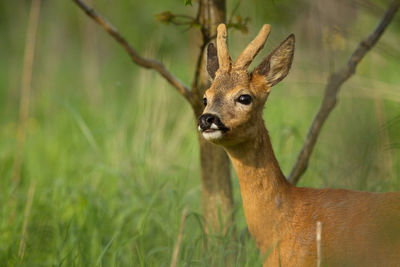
[{"x": 214, "y": 135}]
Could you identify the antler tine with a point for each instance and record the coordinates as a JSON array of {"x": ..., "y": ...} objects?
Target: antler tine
[
  {"x": 223, "y": 54},
  {"x": 250, "y": 52}
]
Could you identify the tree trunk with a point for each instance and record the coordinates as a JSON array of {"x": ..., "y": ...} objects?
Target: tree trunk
[
  {"x": 217, "y": 187},
  {"x": 216, "y": 178}
]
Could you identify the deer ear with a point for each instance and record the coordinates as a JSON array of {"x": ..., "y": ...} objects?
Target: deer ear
[
  {"x": 212, "y": 60},
  {"x": 276, "y": 65}
]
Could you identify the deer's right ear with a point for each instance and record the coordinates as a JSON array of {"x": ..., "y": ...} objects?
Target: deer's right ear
[{"x": 212, "y": 60}]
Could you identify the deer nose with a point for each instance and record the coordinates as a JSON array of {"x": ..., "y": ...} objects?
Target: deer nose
[{"x": 206, "y": 120}]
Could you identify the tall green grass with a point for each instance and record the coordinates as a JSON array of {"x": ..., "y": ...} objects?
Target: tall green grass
[{"x": 113, "y": 149}]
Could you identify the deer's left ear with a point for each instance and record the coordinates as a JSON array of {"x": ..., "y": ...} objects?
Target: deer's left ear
[{"x": 276, "y": 65}]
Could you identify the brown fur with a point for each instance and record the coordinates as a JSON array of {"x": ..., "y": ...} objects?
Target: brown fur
[{"x": 358, "y": 228}]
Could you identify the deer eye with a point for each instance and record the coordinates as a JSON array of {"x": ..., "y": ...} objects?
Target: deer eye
[
  {"x": 244, "y": 99},
  {"x": 205, "y": 101}
]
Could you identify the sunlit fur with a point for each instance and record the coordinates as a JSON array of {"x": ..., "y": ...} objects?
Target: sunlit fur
[{"x": 358, "y": 228}]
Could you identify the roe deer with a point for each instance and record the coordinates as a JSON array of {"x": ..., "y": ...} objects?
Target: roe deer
[{"x": 358, "y": 228}]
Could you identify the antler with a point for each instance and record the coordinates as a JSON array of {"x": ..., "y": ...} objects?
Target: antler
[
  {"x": 224, "y": 59},
  {"x": 248, "y": 54}
]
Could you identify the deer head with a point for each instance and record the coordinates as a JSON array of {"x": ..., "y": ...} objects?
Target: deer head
[{"x": 235, "y": 99}]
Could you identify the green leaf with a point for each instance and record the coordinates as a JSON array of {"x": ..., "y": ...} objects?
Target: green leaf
[{"x": 188, "y": 2}]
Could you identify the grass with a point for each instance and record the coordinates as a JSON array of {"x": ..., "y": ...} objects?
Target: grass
[{"x": 115, "y": 158}]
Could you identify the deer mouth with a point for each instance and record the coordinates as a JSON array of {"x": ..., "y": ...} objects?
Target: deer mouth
[
  {"x": 214, "y": 132},
  {"x": 211, "y": 134}
]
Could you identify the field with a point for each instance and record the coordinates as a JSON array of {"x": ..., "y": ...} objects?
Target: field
[{"x": 111, "y": 156}]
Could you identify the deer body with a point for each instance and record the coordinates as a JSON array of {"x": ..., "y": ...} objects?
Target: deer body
[
  {"x": 358, "y": 228},
  {"x": 282, "y": 218}
]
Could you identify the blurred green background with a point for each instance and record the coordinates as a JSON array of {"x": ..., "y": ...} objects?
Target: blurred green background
[{"x": 112, "y": 147}]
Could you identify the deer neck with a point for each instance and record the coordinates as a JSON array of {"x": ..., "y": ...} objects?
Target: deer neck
[{"x": 264, "y": 188}]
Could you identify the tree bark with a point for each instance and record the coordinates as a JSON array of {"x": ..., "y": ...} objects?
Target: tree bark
[{"x": 217, "y": 197}]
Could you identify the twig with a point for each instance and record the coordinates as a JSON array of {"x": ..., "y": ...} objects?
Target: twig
[
  {"x": 22, "y": 243},
  {"x": 26, "y": 80},
  {"x": 143, "y": 62},
  {"x": 168, "y": 17},
  {"x": 236, "y": 7},
  {"x": 386, "y": 157},
  {"x": 195, "y": 84},
  {"x": 175, "y": 254},
  {"x": 203, "y": 19},
  {"x": 185, "y": 20},
  {"x": 318, "y": 238},
  {"x": 332, "y": 88}
]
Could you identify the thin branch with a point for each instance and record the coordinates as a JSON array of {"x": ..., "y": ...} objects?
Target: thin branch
[
  {"x": 198, "y": 70},
  {"x": 202, "y": 18},
  {"x": 236, "y": 7},
  {"x": 22, "y": 243},
  {"x": 175, "y": 254},
  {"x": 143, "y": 62},
  {"x": 318, "y": 239},
  {"x": 26, "y": 81},
  {"x": 183, "y": 20},
  {"x": 167, "y": 17},
  {"x": 332, "y": 88},
  {"x": 185, "y": 16}
]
